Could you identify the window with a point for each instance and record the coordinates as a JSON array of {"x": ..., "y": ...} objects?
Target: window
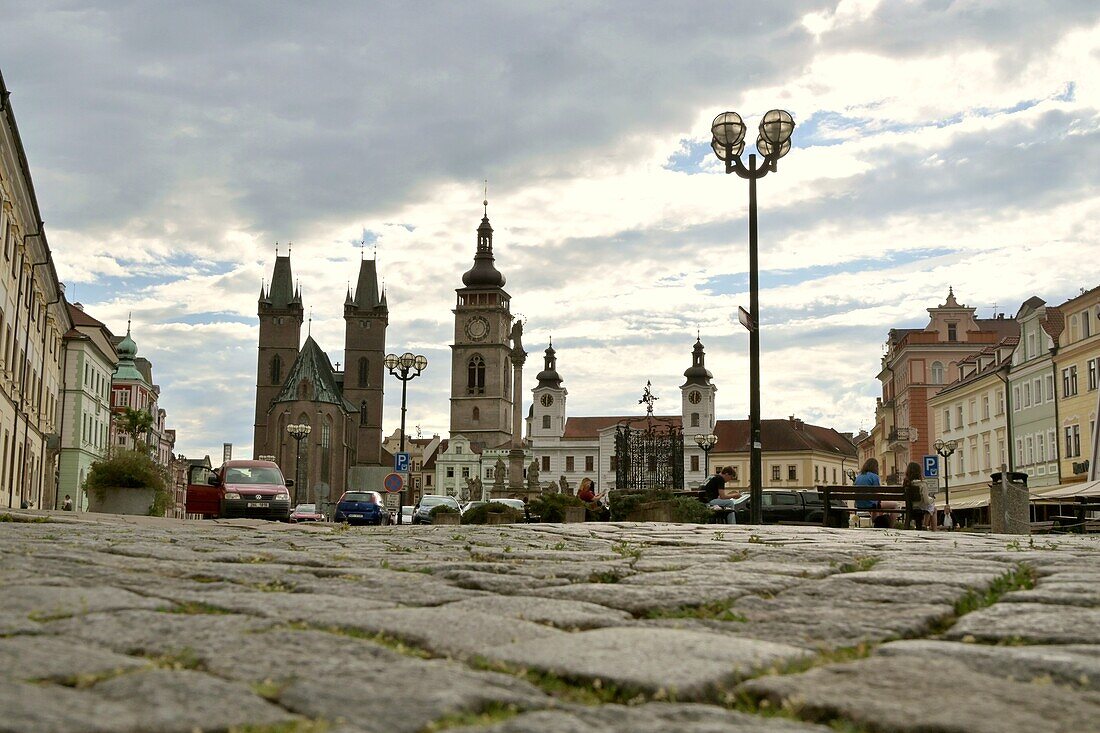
[
  {"x": 364, "y": 372},
  {"x": 1073, "y": 441},
  {"x": 1092, "y": 374},
  {"x": 1048, "y": 380},
  {"x": 695, "y": 419},
  {"x": 937, "y": 372},
  {"x": 1069, "y": 381},
  {"x": 695, "y": 463},
  {"x": 985, "y": 406},
  {"x": 465, "y": 472},
  {"x": 1040, "y": 447},
  {"x": 276, "y": 370},
  {"x": 775, "y": 473},
  {"x": 1052, "y": 441},
  {"x": 1027, "y": 394},
  {"x": 815, "y": 474},
  {"x": 1085, "y": 328},
  {"x": 959, "y": 415},
  {"x": 1000, "y": 402},
  {"x": 1029, "y": 450},
  {"x": 546, "y": 463},
  {"x": 962, "y": 461},
  {"x": 985, "y": 454},
  {"x": 946, "y": 420},
  {"x": 450, "y": 471},
  {"x": 952, "y": 332},
  {"x": 475, "y": 414},
  {"x": 326, "y": 449},
  {"x": 792, "y": 473},
  {"x": 569, "y": 463},
  {"x": 123, "y": 398},
  {"x": 972, "y": 408},
  {"x": 590, "y": 464},
  {"x": 613, "y": 464},
  {"x": 1016, "y": 398},
  {"x": 458, "y": 450},
  {"x": 546, "y": 422},
  {"x": 475, "y": 375}
]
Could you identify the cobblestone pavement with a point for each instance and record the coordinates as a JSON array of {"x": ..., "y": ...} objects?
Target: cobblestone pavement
[{"x": 127, "y": 624}]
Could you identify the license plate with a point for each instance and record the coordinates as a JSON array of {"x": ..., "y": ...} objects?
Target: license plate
[
  {"x": 356, "y": 516},
  {"x": 257, "y": 505}
]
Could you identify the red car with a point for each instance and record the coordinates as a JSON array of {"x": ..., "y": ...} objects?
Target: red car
[
  {"x": 306, "y": 513},
  {"x": 242, "y": 489}
]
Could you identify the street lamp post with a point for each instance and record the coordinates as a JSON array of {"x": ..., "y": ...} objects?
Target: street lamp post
[
  {"x": 402, "y": 367},
  {"x": 706, "y": 442},
  {"x": 299, "y": 432},
  {"x": 945, "y": 449},
  {"x": 773, "y": 142}
]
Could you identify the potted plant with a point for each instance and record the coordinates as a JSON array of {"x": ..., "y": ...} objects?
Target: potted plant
[
  {"x": 128, "y": 482},
  {"x": 491, "y": 513},
  {"x": 445, "y": 514},
  {"x": 558, "y": 508}
]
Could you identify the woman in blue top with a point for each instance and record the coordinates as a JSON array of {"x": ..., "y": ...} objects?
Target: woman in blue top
[{"x": 868, "y": 476}]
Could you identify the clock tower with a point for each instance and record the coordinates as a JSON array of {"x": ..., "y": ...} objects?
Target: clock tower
[
  {"x": 697, "y": 400},
  {"x": 481, "y": 361},
  {"x": 548, "y": 407}
]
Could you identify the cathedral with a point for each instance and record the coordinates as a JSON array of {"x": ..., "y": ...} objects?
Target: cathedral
[{"x": 299, "y": 385}]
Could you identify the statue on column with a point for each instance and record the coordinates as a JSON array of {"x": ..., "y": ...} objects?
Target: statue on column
[
  {"x": 563, "y": 485},
  {"x": 533, "y": 476},
  {"x": 499, "y": 473}
]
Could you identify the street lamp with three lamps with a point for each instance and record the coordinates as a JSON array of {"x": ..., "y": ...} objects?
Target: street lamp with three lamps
[
  {"x": 772, "y": 142},
  {"x": 402, "y": 367},
  {"x": 706, "y": 442},
  {"x": 945, "y": 449},
  {"x": 298, "y": 431}
]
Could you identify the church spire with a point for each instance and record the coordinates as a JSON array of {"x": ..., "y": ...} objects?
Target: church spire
[
  {"x": 697, "y": 373},
  {"x": 484, "y": 273},
  {"x": 549, "y": 376}
]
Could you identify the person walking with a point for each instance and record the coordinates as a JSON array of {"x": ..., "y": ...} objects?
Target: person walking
[
  {"x": 868, "y": 476},
  {"x": 714, "y": 493},
  {"x": 917, "y": 492}
]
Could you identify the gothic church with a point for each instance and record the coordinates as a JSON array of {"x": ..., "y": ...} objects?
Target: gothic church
[{"x": 300, "y": 385}]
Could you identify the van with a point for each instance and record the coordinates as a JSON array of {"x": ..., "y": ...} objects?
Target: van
[{"x": 240, "y": 489}]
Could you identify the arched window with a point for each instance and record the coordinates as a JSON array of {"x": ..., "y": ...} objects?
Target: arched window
[
  {"x": 695, "y": 419},
  {"x": 937, "y": 372},
  {"x": 364, "y": 372},
  {"x": 476, "y": 414},
  {"x": 545, "y": 422},
  {"x": 475, "y": 375},
  {"x": 363, "y": 413},
  {"x": 276, "y": 369}
]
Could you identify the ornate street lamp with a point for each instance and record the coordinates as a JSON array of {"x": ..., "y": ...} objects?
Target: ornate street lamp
[
  {"x": 299, "y": 432},
  {"x": 706, "y": 442},
  {"x": 773, "y": 142},
  {"x": 945, "y": 449},
  {"x": 403, "y": 368}
]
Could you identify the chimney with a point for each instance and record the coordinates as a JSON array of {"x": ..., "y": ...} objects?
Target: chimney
[{"x": 78, "y": 306}]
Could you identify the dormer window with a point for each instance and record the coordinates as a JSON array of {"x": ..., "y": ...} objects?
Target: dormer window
[{"x": 952, "y": 332}]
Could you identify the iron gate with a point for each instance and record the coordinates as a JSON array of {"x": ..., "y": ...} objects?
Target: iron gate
[{"x": 651, "y": 457}]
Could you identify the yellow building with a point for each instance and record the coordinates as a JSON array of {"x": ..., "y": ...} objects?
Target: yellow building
[
  {"x": 1075, "y": 368},
  {"x": 796, "y": 455}
]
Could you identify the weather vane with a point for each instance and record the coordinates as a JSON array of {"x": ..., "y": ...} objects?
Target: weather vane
[{"x": 648, "y": 398}]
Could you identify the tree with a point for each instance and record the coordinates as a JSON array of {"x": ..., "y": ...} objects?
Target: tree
[{"x": 136, "y": 423}]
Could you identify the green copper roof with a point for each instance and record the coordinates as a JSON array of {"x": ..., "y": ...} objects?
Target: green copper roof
[
  {"x": 311, "y": 379},
  {"x": 127, "y": 370}
]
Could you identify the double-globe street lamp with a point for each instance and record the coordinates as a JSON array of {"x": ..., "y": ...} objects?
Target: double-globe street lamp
[
  {"x": 706, "y": 442},
  {"x": 298, "y": 431},
  {"x": 402, "y": 367},
  {"x": 773, "y": 142},
  {"x": 945, "y": 449}
]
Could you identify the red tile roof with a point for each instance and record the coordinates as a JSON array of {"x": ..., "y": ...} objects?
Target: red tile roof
[
  {"x": 781, "y": 435},
  {"x": 80, "y": 318},
  {"x": 590, "y": 427}
]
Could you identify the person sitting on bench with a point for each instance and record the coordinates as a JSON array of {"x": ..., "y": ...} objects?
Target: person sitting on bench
[
  {"x": 714, "y": 494},
  {"x": 868, "y": 476}
]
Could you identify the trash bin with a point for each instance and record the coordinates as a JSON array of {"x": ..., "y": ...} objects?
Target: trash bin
[{"x": 1009, "y": 503}]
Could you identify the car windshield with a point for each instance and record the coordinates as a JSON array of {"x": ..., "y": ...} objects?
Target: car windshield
[
  {"x": 253, "y": 475},
  {"x": 306, "y": 509},
  {"x": 514, "y": 503},
  {"x": 366, "y": 496},
  {"x": 434, "y": 500}
]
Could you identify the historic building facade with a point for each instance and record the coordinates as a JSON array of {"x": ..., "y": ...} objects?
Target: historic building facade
[
  {"x": 89, "y": 362},
  {"x": 1076, "y": 366},
  {"x": 296, "y": 383},
  {"x": 33, "y": 318},
  {"x": 1032, "y": 394}
]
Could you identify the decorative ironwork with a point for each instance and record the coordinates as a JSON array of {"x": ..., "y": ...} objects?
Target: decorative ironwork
[
  {"x": 650, "y": 457},
  {"x": 648, "y": 398}
]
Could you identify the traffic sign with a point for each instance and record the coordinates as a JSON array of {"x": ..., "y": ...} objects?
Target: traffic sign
[
  {"x": 393, "y": 483},
  {"x": 402, "y": 462},
  {"x": 931, "y": 466}
]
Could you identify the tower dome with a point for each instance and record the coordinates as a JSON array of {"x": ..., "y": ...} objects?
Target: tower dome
[{"x": 484, "y": 273}]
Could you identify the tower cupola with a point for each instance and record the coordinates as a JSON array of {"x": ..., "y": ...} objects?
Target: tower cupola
[
  {"x": 549, "y": 376},
  {"x": 484, "y": 273},
  {"x": 697, "y": 373}
]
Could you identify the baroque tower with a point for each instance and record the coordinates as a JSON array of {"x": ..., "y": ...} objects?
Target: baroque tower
[
  {"x": 366, "y": 317},
  {"x": 697, "y": 404},
  {"x": 548, "y": 405},
  {"x": 481, "y": 362},
  {"x": 280, "y": 313}
]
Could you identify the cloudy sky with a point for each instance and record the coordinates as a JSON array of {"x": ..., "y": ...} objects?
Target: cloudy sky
[{"x": 938, "y": 144}]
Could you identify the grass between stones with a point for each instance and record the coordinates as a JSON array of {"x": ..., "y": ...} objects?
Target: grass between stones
[
  {"x": 269, "y": 689},
  {"x": 1021, "y": 577},
  {"x": 487, "y": 714},
  {"x": 390, "y": 642},
  {"x": 720, "y": 610},
  {"x": 858, "y": 564},
  {"x": 184, "y": 658},
  {"x": 582, "y": 692},
  {"x": 605, "y": 576},
  {"x": 86, "y": 680},
  {"x": 22, "y": 519},
  {"x": 195, "y": 608},
  {"x": 290, "y": 726}
]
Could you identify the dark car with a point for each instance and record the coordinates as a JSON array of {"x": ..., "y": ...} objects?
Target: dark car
[
  {"x": 359, "y": 507},
  {"x": 423, "y": 512},
  {"x": 781, "y": 506},
  {"x": 306, "y": 513}
]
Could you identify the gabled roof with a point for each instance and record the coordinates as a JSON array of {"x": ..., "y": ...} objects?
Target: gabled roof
[
  {"x": 998, "y": 355},
  {"x": 1003, "y": 327},
  {"x": 781, "y": 435},
  {"x": 430, "y": 462},
  {"x": 313, "y": 368},
  {"x": 1053, "y": 322},
  {"x": 590, "y": 427}
]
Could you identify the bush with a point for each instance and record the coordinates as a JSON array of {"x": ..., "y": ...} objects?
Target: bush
[
  {"x": 551, "y": 507},
  {"x": 686, "y": 509},
  {"x": 130, "y": 469},
  {"x": 442, "y": 509},
  {"x": 479, "y": 514},
  {"x": 624, "y": 506}
]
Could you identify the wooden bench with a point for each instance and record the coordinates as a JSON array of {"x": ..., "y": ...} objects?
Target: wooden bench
[
  {"x": 835, "y": 499},
  {"x": 1042, "y": 527}
]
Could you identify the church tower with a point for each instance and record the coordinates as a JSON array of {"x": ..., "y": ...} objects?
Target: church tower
[
  {"x": 548, "y": 405},
  {"x": 697, "y": 403},
  {"x": 280, "y": 313},
  {"x": 481, "y": 362},
  {"x": 366, "y": 317}
]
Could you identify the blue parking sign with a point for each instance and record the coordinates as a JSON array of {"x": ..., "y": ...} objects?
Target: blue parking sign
[
  {"x": 402, "y": 462},
  {"x": 931, "y": 466}
]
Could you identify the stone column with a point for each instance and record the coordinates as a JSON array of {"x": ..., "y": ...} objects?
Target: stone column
[{"x": 516, "y": 483}]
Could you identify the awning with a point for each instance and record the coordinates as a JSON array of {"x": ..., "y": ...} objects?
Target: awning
[
  {"x": 966, "y": 502},
  {"x": 1068, "y": 492}
]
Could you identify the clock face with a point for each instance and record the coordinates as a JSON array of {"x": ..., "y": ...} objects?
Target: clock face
[
  {"x": 694, "y": 396},
  {"x": 477, "y": 328},
  {"x": 547, "y": 400}
]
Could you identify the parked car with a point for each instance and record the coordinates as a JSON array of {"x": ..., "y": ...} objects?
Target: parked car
[
  {"x": 471, "y": 504},
  {"x": 786, "y": 505},
  {"x": 360, "y": 507},
  {"x": 422, "y": 515},
  {"x": 407, "y": 514},
  {"x": 242, "y": 489},
  {"x": 306, "y": 513}
]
